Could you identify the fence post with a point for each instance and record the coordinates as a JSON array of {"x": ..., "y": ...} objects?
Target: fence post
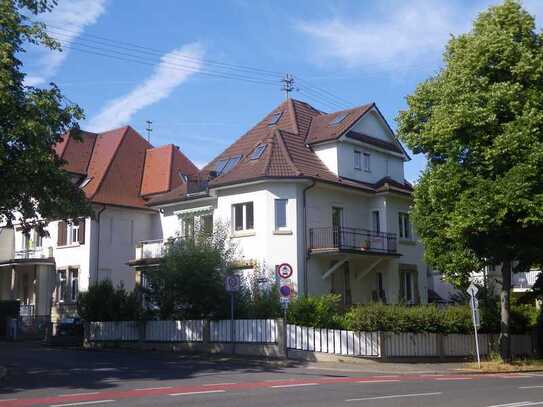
[
  {"x": 382, "y": 350},
  {"x": 281, "y": 325},
  {"x": 440, "y": 338}
]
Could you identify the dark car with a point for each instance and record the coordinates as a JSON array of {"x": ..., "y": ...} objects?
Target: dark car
[{"x": 70, "y": 327}]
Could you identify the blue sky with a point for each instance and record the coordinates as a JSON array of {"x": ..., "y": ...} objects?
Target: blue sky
[{"x": 359, "y": 51}]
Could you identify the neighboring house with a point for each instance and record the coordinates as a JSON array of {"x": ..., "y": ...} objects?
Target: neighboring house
[
  {"x": 118, "y": 171},
  {"x": 490, "y": 277},
  {"x": 323, "y": 192}
]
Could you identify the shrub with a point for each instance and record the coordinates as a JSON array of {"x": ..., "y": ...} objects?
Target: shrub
[
  {"x": 103, "y": 302},
  {"x": 316, "y": 311},
  {"x": 399, "y": 318}
]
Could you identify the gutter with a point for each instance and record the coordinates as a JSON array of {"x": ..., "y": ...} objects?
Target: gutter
[
  {"x": 98, "y": 244},
  {"x": 306, "y": 248}
]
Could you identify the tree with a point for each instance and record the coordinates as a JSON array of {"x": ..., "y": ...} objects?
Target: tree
[
  {"x": 479, "y": 121},
  {"x": 32, "y": 121},
  {"x": 189, "y": 281}
]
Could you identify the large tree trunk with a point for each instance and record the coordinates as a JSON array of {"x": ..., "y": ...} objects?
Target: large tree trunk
[{"x": 505, "y": 337}]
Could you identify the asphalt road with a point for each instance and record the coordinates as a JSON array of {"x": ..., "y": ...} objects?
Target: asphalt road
[{"x": 40, "y": 376}]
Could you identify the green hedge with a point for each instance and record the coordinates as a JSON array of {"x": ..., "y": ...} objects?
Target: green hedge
[{"x": 325, "y": 312}]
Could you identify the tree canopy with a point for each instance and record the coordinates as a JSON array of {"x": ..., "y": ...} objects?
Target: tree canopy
[
  {"x": 32, "y": 121},
  {"x": 479, "y": 121}
]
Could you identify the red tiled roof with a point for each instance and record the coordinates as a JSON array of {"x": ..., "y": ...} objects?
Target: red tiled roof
[
  {"x": 115, "y": 161},
  {"x": 287, "y": 152}
]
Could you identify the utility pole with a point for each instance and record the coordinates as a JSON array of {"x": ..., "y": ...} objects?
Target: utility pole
[
  {"x": 288, "y": 84},
  {"x": 149, "y": 129}
]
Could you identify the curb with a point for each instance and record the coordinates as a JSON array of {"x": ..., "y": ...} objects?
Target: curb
[{"x": 476, "y": 371}]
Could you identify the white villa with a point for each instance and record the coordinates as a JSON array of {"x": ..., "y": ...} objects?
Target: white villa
[
  {"x": 117, "y": 170},
  {"x": 324, "y": 193}
]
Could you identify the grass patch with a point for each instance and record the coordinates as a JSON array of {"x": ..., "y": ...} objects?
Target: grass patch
[{"x": 496, "y": 364}]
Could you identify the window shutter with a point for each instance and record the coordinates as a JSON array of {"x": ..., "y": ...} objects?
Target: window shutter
[
  {"x": 82, "y": 231},
  {"x": 61, "y": 233}
]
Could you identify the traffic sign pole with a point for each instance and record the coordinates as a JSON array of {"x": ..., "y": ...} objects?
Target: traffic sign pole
[
  {"x": 232, "y": 330},
  {"x": 472, "y": 291}
]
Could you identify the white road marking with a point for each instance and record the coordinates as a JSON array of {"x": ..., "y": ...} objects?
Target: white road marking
[
  {"x": 154, "y": 388},
  {"x": 82, "y": 403},
  {"x": 530, "y": 387},
  {"x": 519, "y": 404},
  {"x": 78, "y": 394},
  {"x": 393, "y": 376},
  {"x": 218, "y": 384},
  {"x": 379, "y": 381},
  {"x": 279, "y": 386},
  {"x": 277, "y": 380},
  {"x": 188, "y": 393},
  {"x": 396, "y": 396},
  {"x": 453, "y": 378}
]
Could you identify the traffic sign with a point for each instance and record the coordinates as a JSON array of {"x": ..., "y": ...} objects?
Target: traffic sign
[
  {"x": 285, "y": 291},
  {"x": 232, "y": 283},
  {"x": 284, "y": 270},
  {"x": 472, "y": 290},
  {"x": 284, "y": 302}
]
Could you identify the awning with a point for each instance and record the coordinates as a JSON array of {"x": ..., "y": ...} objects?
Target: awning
[{"x": 191, "y": 212}]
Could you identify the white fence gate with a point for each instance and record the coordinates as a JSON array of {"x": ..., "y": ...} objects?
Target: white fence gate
[
  {"x": 245, "y": 330},
  {"x": 336, "y": 341}
]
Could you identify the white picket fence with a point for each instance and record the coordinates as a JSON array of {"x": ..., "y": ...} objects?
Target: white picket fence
[
  {"x": 245, "y": 330},
  {"x": 336, "y": 341}
]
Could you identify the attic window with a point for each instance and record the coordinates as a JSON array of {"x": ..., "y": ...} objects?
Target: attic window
[
  {"x": 258, "y": 151},
  {"x": 226, "y": 164},
  {"x": 85, "y": 182},
  {"x": 338, "y": 119},
  {"x": 275, "y": 118}
]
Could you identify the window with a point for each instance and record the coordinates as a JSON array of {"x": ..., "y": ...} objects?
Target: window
[
  {"x": 73, "y": 234},
  {"x": 38, "y": 240},
  {"x": 404, "y": 225},
  {"x": 406, "y": 284},
  {"x": 220, "y": 166},
  {"x": 375, "y": 221},
  {"x": 61, "y": 295},
  {"x": 258, "y": 151},
  {"x": 206, "y": 224},
  {"x": 367, "y": 163},
  {"x": 85, "y": 182},
  {"x": 25, "y": 241},
  {"x": 243, "y": 216},
  {"x": 231, "y": 164},
  {"x": 274, "y": 119},
  {"x": 280, "y": 213},
  {"x": 357, "y": 160},
  {"x": 187, "y": 227},
  {"x": 339, "y": 118},
  {"x": 74, "y": 284}
]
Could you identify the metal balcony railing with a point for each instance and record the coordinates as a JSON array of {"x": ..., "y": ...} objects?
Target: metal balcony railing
[
  {"x": 37, "y": 253},
  {"x": 345, "y": 238}
]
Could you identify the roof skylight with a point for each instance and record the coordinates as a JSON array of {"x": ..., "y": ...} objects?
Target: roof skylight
[
  {"x": 219, "y": 167},
  {"x": 275, "y": 118},
  {"x": 338, "y": 119},
  {"x": 226, "y": 164},
  {"x": 258, "y": 151},
  {"x": 85, "y": 182}
]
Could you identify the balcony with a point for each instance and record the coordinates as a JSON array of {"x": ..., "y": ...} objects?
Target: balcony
[
  {"x": 149, "y": 249},
  {"x": 37, "y": 253},
  {"x": 333, "y": 239}
]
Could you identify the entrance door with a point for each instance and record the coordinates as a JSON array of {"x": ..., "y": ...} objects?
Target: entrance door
[
  {"x": 341, "y": 284},
  {"x": 337, "y": 224}
]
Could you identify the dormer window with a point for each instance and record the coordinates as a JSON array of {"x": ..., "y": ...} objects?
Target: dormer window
[
  {"x": 339, "y": 118},
  {"x": 258, "y": 151},
  {"x": 274, "y": 119}
]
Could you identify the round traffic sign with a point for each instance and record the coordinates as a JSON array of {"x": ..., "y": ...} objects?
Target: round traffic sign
[
  {"x": 285, "y": 291},
  {"x": 232, "y": 283},
  {"x": 284, "y": 270}
]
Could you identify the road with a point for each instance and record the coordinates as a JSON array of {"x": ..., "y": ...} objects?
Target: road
[{"x": 41, "y": 376}]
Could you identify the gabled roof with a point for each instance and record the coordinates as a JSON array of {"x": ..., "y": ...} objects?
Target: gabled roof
[
  {"x": 287, "y": 152},
  {"x": 116, "y": 168}
]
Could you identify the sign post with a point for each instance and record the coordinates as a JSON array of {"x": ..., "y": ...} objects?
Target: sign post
[
  {"x": 232, "y": 284},
  {"x": 474, "y": 305},
  {"x": 284, "y": 272}
]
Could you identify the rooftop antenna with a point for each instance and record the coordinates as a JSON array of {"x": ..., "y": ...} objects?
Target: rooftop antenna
[
  {"x": 149, "y": 129},
  {"x": 288, "y": 84}
]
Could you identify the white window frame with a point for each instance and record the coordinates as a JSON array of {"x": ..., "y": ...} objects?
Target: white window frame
[
  {"x": 357, "y": 158},
  {"x": 60, "y": 298},
  {"x": 244, "y": 225},
  {"x": 72, "y": 228},
  {"x": 277, "y": 226},
  {"x": 409, "y": 292},
  {"x": 404, "y": 225},
  {"x": 73, "y": 294},
  {"x": 366, "y": 161}
]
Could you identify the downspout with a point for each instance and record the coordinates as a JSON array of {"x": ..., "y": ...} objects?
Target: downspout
[
  {"x": 306, "y": 247},
  {"x": 98, "y": 243}
]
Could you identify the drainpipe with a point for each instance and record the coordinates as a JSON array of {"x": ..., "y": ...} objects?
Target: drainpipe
[
  {"x": 98, "y": 244},
  {"x": 306, "y": 248}
]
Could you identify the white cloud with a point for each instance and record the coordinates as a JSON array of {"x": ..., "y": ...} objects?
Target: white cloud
[
  {"x": 164, "y": 79},
  {"x": 399, "y": 35},
  {"x": 65, "y": 23}
]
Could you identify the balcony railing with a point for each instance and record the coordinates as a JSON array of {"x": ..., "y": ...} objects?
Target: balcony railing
[
  {"x": 150, "y": 249},
  {"x": 38, "y": 253},
  {"x": 344, "y": 238}
]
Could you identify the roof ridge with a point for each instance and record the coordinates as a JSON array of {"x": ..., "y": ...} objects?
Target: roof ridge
[
  {"x": 285, "y": 151},
  {"x": 172, "y": 152},
  {"x": 123, "y": 136},
  {"x": 292, "y": 108},
  {"x": 92, "y": 152}
]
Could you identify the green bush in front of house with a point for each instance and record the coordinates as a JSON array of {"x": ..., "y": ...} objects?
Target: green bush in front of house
[
  {"x": 401, "y": 318},
  {"x": 316, "y": 311}
]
